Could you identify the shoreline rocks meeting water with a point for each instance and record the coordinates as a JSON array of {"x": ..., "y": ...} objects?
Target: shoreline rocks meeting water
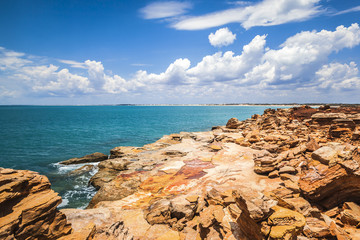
[{"x": 287, "y": 174}]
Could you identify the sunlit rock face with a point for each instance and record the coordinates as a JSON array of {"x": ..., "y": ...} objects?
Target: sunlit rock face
[
  {"x": 280, "y": 175},
  {"x": 28, "y": 207},
  {"x": 287, "y": 174}
]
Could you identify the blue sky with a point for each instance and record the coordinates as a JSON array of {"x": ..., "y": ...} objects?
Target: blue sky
[{"x": 179, "y": 52}]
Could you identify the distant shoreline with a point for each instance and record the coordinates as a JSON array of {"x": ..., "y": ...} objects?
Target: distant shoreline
[{"x": 214, "y": 104}]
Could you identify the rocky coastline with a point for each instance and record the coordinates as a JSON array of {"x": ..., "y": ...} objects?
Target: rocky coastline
[{"x": 287, "y": 174}]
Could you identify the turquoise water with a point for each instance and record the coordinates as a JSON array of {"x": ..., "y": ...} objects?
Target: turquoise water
[{"x": 38, "y": 137}]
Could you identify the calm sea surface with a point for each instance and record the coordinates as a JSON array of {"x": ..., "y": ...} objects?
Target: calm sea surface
[{"x": 38, "y": 137}]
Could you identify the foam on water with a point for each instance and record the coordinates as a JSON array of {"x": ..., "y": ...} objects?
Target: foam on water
[
  {"x": 64, "y": 202},
  {"x": 63, "y": 169},
  {"x": 78, "y": 194},
  {"x": 79, "y": 191}
]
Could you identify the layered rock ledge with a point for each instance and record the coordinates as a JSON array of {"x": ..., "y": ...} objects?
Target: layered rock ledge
[
  {"x": 28, "y": 207},
  {"x": 287, "y": 174}
]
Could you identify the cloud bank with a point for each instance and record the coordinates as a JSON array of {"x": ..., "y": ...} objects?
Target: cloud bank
[{"x": 300, "y": 65}]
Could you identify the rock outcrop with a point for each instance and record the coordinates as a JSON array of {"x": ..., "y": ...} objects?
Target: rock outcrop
[
  {"x": 94, "y": 157},
  {"x": 287, "y": 174},
  {"x": 28, "y": 207}
]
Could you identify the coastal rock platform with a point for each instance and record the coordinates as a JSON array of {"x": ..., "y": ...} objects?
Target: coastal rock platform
[{"x": 287, "y": 174}]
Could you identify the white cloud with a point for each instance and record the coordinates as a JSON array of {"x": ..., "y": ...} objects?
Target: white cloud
[
  {"x": 64, "y": 83},
  {"x": 305, "y": 52},
  {"x": 339, "y": 76},
  {"x": 73, "y": 64},
  {"x": 225, "y": 67},
  {"x": 157, "y": 10},
  {"x": 264, "y": 13},
  {"x": 175, "y": 74},
  {"x": 298, "y": 68},
  {"x": 222, "y": 37},
  {"x": 10, "y": 60},
  {"x": 354, "y": 9}
]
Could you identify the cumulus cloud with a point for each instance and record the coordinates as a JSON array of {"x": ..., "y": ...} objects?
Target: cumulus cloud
[
  {"x": 227, "y": 66},
  {"x": 158, "y": 10},
  {"x": 255, "y": 15},
  {"x": 305, "y": 52},
  {"x": 298, "y": 67},
  {"x": 64, "y": 83},
  {"x": 339, "y": 76},
  {"x": 222, "y": 37}
]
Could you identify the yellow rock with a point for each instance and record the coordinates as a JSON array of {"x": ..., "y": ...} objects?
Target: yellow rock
[
  {"x": 285, "y": 223},
  {"x": 215, "y": 147},
  {"x": 282, "y": 232},
  {"x": 169, "y": 235},
  {"x": 206, "y": 159},
  {"x": 192, "y": 198},
  {"x": 239, "y": 140},
  {"x": 284, "y": 216}
]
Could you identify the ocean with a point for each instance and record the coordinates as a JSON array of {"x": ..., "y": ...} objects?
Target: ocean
[{"x": 37, "y": 138}]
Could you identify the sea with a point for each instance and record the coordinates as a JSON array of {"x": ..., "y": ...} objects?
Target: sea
[{"x": 37, "y": 138}]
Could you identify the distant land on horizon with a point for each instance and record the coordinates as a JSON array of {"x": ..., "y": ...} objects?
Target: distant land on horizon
[{"x": 205, "y": 104}]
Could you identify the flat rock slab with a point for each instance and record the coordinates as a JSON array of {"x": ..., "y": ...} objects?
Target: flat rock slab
[{"x": 94, "y": 157}]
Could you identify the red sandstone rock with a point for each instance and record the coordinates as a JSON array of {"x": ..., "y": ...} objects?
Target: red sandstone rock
[{"x": 28, "y": 207}]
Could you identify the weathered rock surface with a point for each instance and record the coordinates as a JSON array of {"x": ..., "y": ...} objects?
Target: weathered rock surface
[
  {"x": 287, "y": 174},
  {"x": 233, "y": 123},
  {"x": 94, "y": 157},
  {"x": 214, "y": 185},
  {"x": 28, "y": 207}
]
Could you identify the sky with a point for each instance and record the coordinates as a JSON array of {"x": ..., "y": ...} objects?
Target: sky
[{"x": 86, "y": 52}]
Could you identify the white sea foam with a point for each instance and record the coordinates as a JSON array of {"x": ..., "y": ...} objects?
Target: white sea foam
[
  {"x": 62, "y": 169},
  {"x": 64, "y": 202},
  {"x": 80, "y": 190}
]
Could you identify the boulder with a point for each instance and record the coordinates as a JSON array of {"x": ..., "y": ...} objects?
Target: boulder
[
  {"x": 325, "y": 155},
  {"x": 114, "y": 164},
  {"x": 287, "y": 169},
  {"x": 159, "y": 212},
  {"x": 247, "y": 225},
  {"x": 29, "y": 207},
  {"x": 285, "y": 223},
  {"x": 265, "y": 164},
  {"x": 350, "y": 214},
  {"x": 326, "y": 118},
  {"x": 233, "y": 123},
  {"x": 121, "y": 186},
  {"x": 182, "y": 208},
  {"x": 316, "y": 228},
  {"x": 312, "y": 145},
  {"x": 94, "y": 157},
  {"x": 345, "y": 123},
  {"x": 330, "y": 186}
]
